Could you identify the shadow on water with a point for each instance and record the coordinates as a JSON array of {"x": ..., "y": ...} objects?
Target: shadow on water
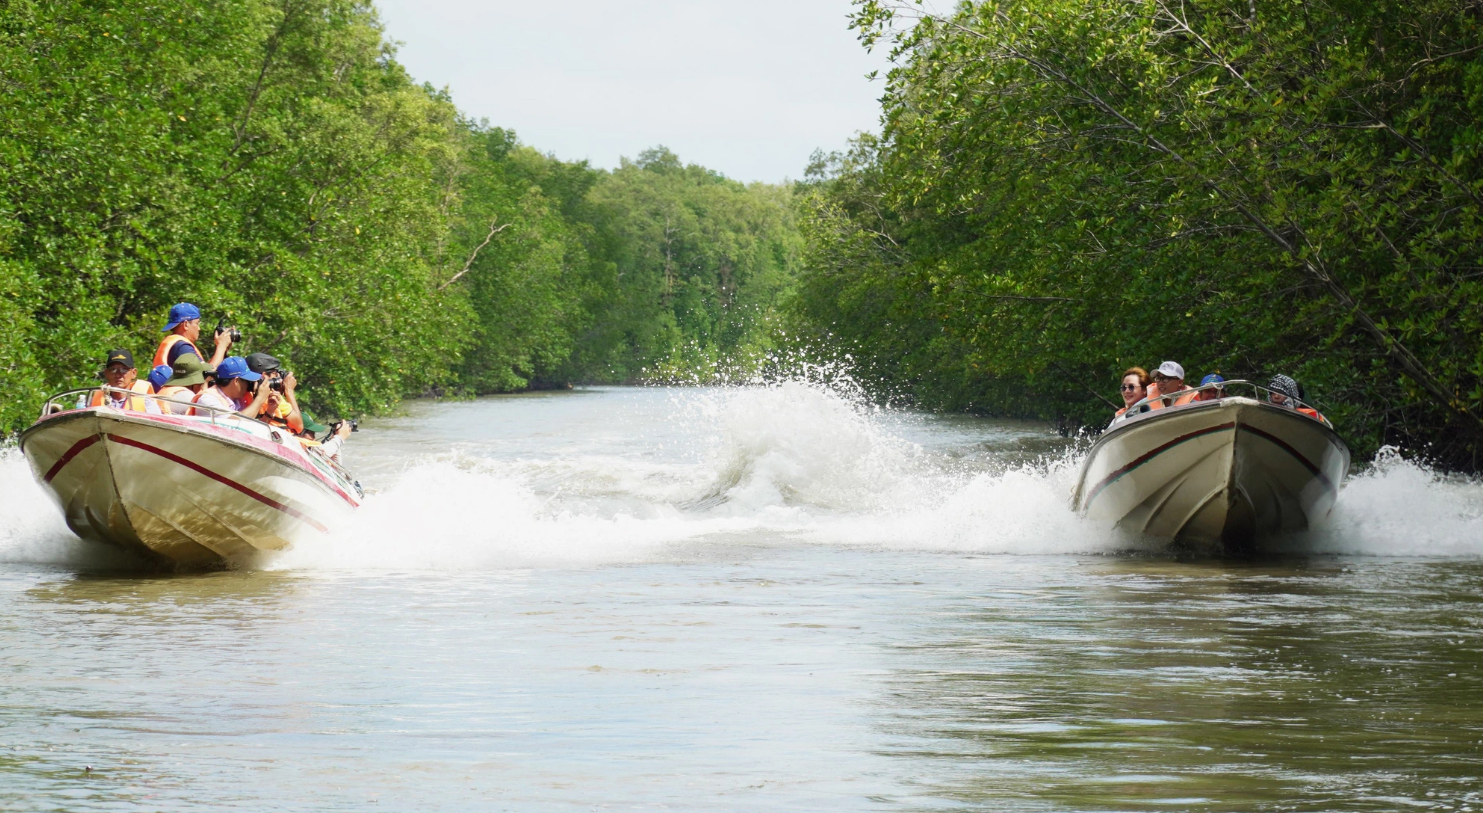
[{"x": 1141, "y": 684}]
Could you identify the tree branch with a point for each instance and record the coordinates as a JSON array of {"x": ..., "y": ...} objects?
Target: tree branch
[{"x": 469, "y": 263}]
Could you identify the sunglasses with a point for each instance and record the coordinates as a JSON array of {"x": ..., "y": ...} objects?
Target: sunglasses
[{"x": 1131, "y": 388}]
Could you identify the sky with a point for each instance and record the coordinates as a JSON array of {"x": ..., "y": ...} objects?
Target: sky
[{"x": 746, "y": 87}]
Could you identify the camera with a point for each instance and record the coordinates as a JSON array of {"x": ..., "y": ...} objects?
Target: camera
[
  {"x": 275, "y": 380},
  {"x": 232, "y": 333},
  {"x": 335, "y": 427}
]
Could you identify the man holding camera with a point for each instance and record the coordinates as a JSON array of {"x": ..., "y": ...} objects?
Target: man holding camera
[
  {"x": 282, "y": 406},
  {"x": 237, "y": 389},
  {"x": 184, "y": 327}
]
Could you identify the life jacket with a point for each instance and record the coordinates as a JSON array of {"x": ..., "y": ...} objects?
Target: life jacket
[
  {"x": 143, "y": 387},
  {"x": 132, "y": 403},
  {"x": 1312, "y": 413},
  {"x": 1183, "y": 398},
  {"x": 207, "y": 412},
  {"x": 174, "y": 405},
  {"x": 162, "y": 353},
  {"x": 1121, "y": 412}
]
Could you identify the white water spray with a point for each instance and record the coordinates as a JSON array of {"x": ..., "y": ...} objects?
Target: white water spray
[{"x": 649, "y": 474}]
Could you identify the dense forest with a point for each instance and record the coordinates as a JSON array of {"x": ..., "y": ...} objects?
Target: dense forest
[
  {"x": 1060, "y": 189},
  {"x": 270, "y": 161},
  {"x": 1065, "y": 188}
]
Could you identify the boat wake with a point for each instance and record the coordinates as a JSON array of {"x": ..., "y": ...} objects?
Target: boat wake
[{"x": 663, "y": 474}]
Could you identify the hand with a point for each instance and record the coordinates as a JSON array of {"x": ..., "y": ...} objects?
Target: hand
[
  {"x": 223, "y": 338},
  {"x": 344, "y": 430},
  {"x": 260, "y": 395},
  {"x": 289, "y": 382}
]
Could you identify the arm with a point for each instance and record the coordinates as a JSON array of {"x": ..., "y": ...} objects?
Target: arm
[
  {"x": 258, "y": 400},
  {"x": 295, "y": 418},
  {"x": 223, "y": 341}
]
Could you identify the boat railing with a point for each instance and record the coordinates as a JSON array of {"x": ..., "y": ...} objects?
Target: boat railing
[
  {"x": 1213, "y": 393},
  {"x": 215, "y": 416},
  {"x": 57, "y": 403}
]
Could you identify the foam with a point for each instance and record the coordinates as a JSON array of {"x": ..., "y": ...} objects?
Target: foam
[
  {"x": 777, "y": 463},
  {"x": 1398, "y": 507}
]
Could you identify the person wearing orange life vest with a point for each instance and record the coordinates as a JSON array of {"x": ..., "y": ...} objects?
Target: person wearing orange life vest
[
  {"x": 1286, "y": 392},
  {"x": 184, "y": 327},
  {"x": 282, "y": 407},
  {"x": 237, "y": 390},
  {"x": 1168, "y": 379},
  {"x": 187, "y": 380},
  {"x": 123, "y": 388},
  {"x": 1133, "y": 389}
]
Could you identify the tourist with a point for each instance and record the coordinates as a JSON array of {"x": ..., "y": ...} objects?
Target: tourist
[
  {"x": 282, "y": 407},
  {"x": 1168, "y": 379},
  {"x": 1214, "y": 393},
  {"x": 236, "y": 390},
  {"x": 184, "y": 327},
  {"x": 123, "y": 388},
  {"x": 188, "y": 378},
  {"x": 1133, "y": 389},
  {"x": 1286, "y": 392}
]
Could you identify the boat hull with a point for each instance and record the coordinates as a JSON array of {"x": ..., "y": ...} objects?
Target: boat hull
[
  {"x": 191, "y": 491},
  {"x": 1227, "y": 476}
]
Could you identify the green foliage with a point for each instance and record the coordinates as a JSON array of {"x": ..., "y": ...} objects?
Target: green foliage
[
  {"x": 270, "y": 161},
  {"x": 1065, "y": 188},
  {"x": 695, "y": 265}
]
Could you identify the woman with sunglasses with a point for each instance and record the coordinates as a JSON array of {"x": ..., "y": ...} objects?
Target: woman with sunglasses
[{"x": 1134, "y": 389}]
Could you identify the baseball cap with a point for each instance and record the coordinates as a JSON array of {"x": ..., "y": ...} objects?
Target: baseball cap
[
  {"x": 159, "y": 375},
  {"x": 261, "y": 363},
  {"x": 120, "y": 355},
  {"x": 189, "y": 370},
  {"x": 1213, "y": 378},
  {"x": 1171, "y": 369},
  {"x": 312, "y": 425},
  {"x": 235, "y": 367},
  {"x": 184, "y": 312}
]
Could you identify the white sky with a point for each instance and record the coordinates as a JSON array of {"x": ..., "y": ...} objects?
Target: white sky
[{"x": 746, "y": 87}]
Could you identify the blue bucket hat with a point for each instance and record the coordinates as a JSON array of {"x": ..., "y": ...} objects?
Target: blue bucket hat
[
  {"x": 159, "y": 375},
  {"x": 1213, "y": 378},
  {"x": 184, "y": 312},
  {"x": 235, "y": 367}
]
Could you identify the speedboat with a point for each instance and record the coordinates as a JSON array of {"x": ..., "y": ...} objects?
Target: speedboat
[
  {"x": 196, "y": 491},
  {"x": 1228, "y": 475}
]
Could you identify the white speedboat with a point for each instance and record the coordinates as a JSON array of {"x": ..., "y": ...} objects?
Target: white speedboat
[
  {"x": 194, "y": 491},
  {"x": 1228, "y": 475}
]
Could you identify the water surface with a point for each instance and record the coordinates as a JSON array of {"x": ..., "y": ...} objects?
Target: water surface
[{"x": 770, "y": 599}]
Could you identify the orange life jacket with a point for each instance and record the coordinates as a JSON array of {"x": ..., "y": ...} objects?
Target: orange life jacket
[
  {"x": 1312, "y": 413},
  {"x": 133, "y": 403},
  {"x": 162, "y": 353},
  {"x": 1187, "y": 398}
]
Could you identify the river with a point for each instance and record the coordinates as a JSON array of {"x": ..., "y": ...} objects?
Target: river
[{"x": 772, "y": 598}]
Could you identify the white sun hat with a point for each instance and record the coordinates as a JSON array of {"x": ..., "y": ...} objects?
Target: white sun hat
[{"x": 1171, "y": 369}]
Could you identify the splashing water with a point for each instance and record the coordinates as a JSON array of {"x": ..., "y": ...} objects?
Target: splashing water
[{"x": 626, "y": 475}]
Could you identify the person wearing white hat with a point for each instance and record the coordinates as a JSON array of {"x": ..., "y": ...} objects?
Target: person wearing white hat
[{"x": 1168, "y": 379}]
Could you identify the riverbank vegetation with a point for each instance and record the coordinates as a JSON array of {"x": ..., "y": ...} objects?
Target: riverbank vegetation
[
  {"x": 271, "y": 161},
  {"x": 1066, "y": 188},
  {"x": 1061, "y": 189}
]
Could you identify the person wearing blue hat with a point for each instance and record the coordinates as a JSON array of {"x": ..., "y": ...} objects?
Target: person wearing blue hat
[
  {"x": 1213, "y": 393},
  {"x": 184, "y": 327},
  {"x": 158, "y": 376},
  {"x": 236, "y": 389}
]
